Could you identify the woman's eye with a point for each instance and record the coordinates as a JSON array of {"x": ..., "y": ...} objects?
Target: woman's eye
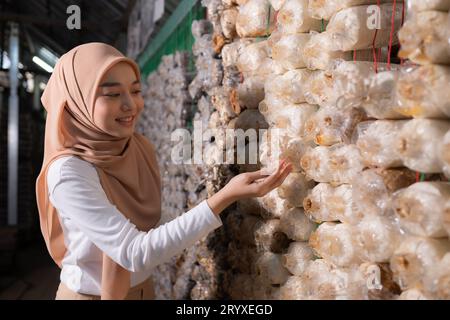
[
  {"x": 136, "y": 91},
  {"x": 113, "y": 95}
]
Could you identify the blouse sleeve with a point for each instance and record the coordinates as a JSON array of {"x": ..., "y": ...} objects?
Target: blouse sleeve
[{"x": 75, "y": 191}]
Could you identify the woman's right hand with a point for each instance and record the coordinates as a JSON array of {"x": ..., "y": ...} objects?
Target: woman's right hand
[{"x": 248, "y": 185}]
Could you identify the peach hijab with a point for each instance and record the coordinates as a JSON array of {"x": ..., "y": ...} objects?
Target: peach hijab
[{"x": 127, "y": 167}]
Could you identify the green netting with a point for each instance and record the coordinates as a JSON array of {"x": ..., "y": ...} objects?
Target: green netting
[{"x": 174, "y": 36}]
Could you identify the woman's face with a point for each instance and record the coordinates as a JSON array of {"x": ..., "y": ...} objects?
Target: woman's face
[{"x": 118, "y": 102}]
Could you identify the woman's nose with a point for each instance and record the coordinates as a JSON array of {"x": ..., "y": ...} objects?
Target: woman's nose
[
  {"x": 126, "y": 107},
  {"x": 128, "y": 103}
]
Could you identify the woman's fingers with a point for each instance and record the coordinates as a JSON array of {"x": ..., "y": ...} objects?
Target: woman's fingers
[
  {"x": 275, "y": 175},
  {"x": 283, "y": 174},
  {"x": 255, "y": 175},
  {"x": 273, "y": 180}
]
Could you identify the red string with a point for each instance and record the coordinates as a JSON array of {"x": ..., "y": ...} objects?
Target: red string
[
  {"x": 403, "y": 20},
  {"x": 375, "y": 64},
  {"x": 391, "y": 36},
  {"x": 375, "y": 52},
  {"x": 403, "y": 11},
  {"x": 354, "y": 55},
  {"x": 420, "y": 176}
]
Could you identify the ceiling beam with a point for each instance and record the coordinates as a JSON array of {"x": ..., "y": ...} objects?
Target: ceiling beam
[
  {"x": 46, "y": 40},
  {"x": 112, "y": 7},
  {"x": 119, "y": 5}
]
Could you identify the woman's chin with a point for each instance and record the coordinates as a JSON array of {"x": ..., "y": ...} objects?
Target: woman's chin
[{"x": 123, "y": 132}]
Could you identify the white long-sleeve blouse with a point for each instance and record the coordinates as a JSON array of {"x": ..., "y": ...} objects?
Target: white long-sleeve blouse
[{"x": 92, "y": 225}]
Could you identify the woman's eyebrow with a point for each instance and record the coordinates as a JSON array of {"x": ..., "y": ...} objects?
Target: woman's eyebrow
[
  {"x": 114, "y": 84},
  {"x": 110, "y": 84}
]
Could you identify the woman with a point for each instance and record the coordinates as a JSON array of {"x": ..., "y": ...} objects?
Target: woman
[{"x": 98, "y": 191}]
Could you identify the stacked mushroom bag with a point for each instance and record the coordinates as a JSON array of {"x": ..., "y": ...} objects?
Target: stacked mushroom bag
[
  {"x": 247, "y": 64},
  {"x": 368, "y": 140},
  {"x": 168, "y": 107},
  {"x": 402, "y": 148},
  {"x": 208, "y": 77},
  {"x": 218, "y": 109},
  {"x": 421, "y": 261},
  {"x": 207, "y": 173},
  {"x": 283, "y": 229},
  {"x": 356, "y": 236},
  {"x": 224, "y": 106}
]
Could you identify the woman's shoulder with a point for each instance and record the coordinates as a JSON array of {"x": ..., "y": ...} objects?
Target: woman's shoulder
[
  {"x": 71, "y": 167},
  {"x": 70, "y": 163}
]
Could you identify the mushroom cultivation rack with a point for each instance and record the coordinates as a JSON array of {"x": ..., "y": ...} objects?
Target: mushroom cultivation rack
[{"x": 359, "y": 91}]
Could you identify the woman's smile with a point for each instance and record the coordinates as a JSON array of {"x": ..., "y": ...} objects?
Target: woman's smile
[{"x": 126, "y": 121}]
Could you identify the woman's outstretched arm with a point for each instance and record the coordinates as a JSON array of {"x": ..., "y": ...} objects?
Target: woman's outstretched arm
[
  {"x": 76, "y": 192},
  {"x": 248, "y": 185}
]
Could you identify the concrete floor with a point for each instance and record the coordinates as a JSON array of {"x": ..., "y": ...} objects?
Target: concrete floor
[{"x": 34, "y": 275}]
